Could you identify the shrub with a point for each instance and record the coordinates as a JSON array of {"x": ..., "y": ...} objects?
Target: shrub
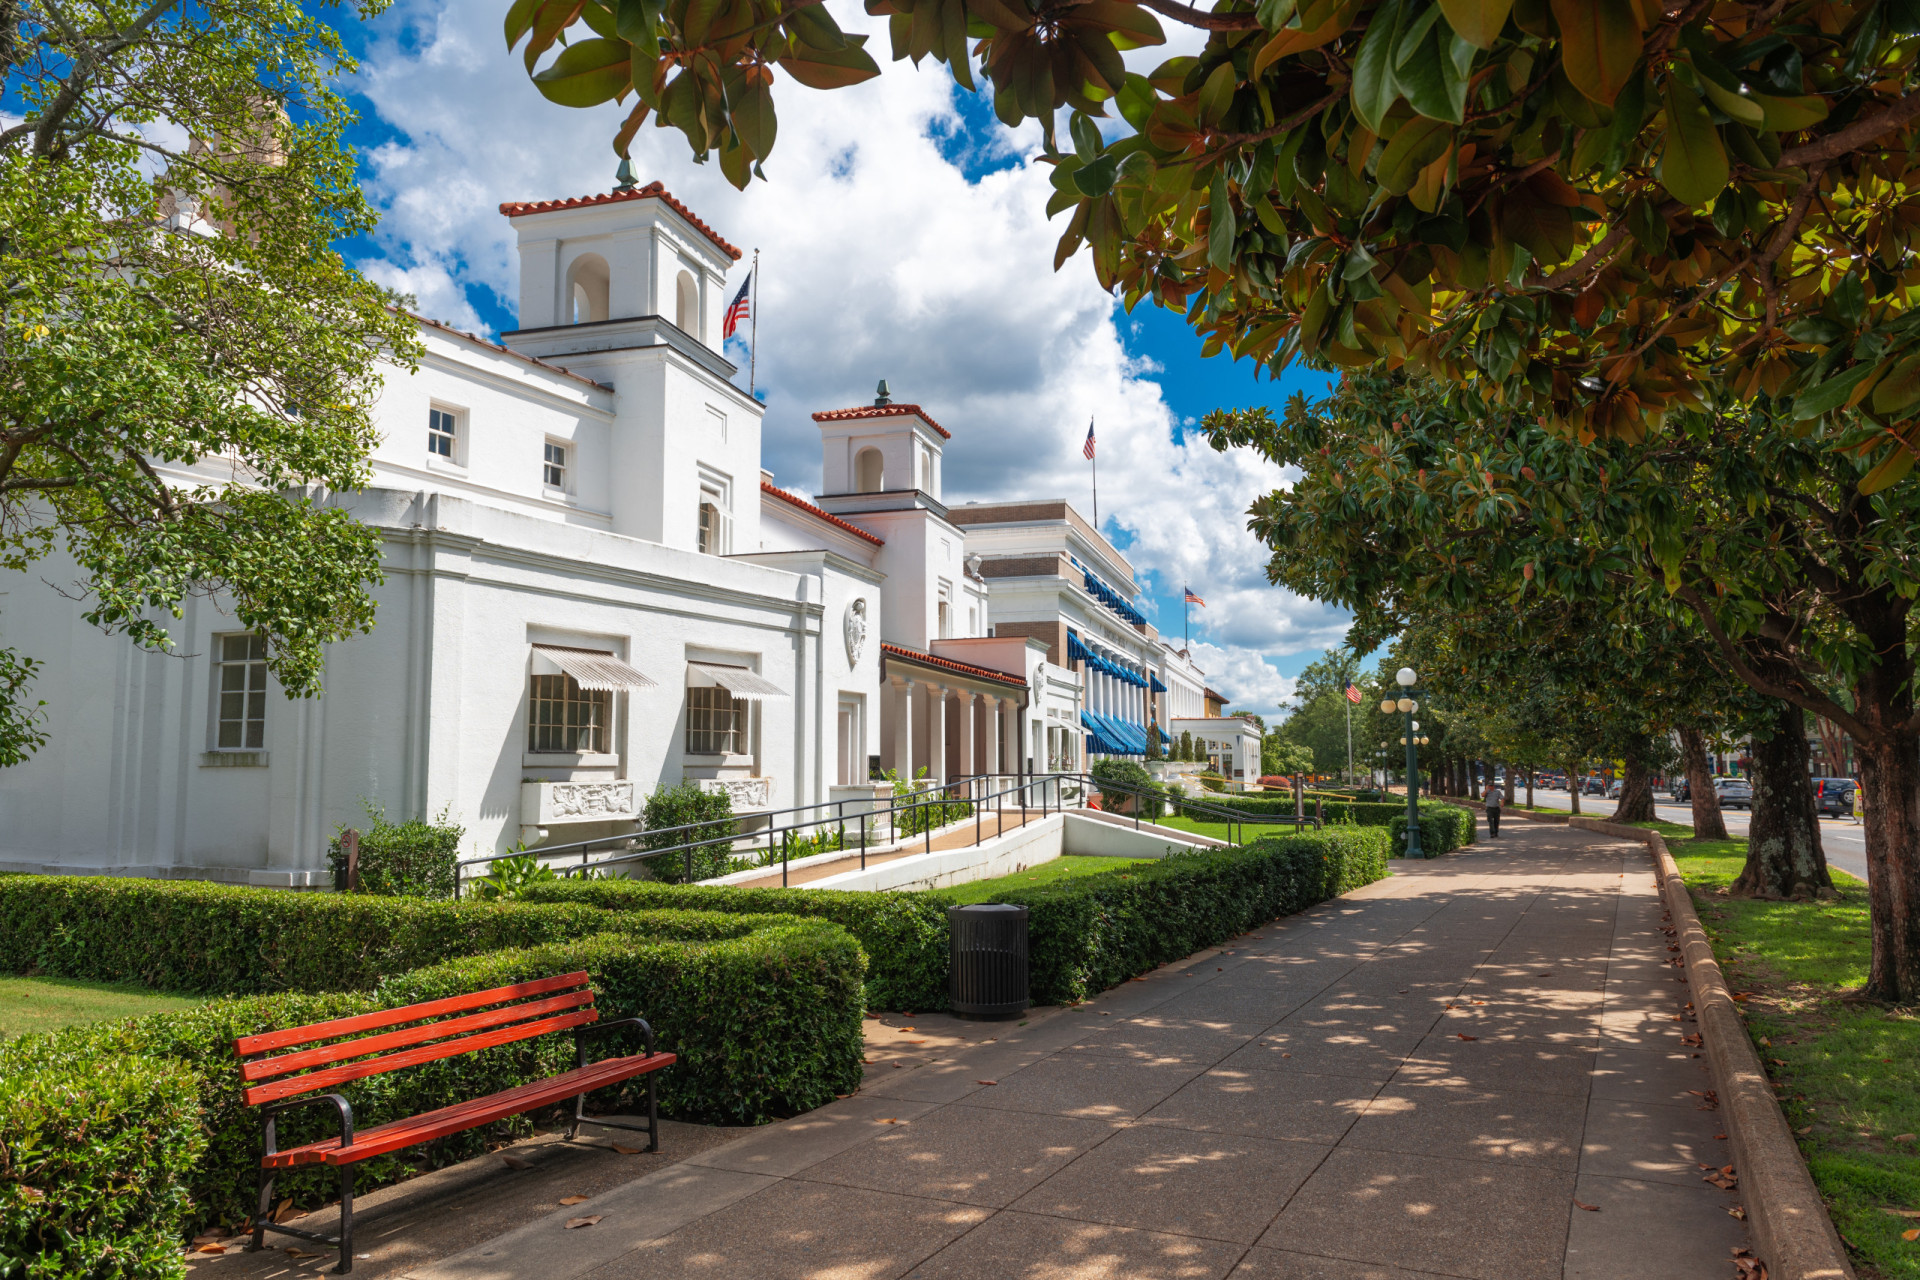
[
  {"x": 903, "y": 934},
  {"x": 1366, "y": 815},
  {"x": 95, "y": 1157},
  {"x": 679, "y": 806},
  {"x": 226, "y": 939},
  {"x": 1093, "y": 932},
  {"x": 761, "y": 1010},
  {"x": 1443, "y": 828},
  {"x": 509, "y": 877},
  {"x": 413, "y": 858},
  {"x": 1213, "y": 781},
  {"x": 1123, "y": 774},
  {"x": 926, "y": 817}
]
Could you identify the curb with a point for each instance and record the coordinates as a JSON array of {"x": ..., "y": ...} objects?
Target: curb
[{"x": 1791, "y": 1228}]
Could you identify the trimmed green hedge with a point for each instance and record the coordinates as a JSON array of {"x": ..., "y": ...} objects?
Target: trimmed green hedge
[
  {"x": 1364, "y": 814},
  {"x": 905, "y": 934},
  {"x": 94, "y": 1157},
  {"x": 1443, "y": 828},
  {"x": 767, "y": 1022},
  {"x": 182, "y": 935},
  {"x": 1094, "y": 932}
]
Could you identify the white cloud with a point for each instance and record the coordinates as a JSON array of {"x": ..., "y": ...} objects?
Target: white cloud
[{"x": 880, "y": 259}]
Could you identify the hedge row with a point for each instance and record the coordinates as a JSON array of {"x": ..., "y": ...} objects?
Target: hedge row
[
  {"x": 180, "y": 935},
  {"x": 767, "y": 1024},
  {"x": 905, "y": 934},
  {"x": 94, "y": 1161},
  {"x": 1443, "y": 828},
  {"x": 1366, "y": 814},
  {"x": 1094, "y": 932}
]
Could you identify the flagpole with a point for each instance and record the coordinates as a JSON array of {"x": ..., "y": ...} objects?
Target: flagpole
[
  {"x": 1349, "y": 702},
  {"x": 1095, "y": 460},
  {"x": 753, "y": 347}
]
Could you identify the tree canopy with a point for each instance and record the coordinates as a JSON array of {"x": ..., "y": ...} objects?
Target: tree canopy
[{"x": 188, "y": 364}]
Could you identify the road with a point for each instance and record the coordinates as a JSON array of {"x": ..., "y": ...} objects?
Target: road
[{"x": 1842, "y": 838}]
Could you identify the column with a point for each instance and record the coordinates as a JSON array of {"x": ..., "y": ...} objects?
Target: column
[
  {"x": 990, "y": 718},
  {"x": 902, "y": 727},
  {"x": 1015, "y": 740},
  {"x": 963, "y": 746},
  {"x": 936, "y": 734}
]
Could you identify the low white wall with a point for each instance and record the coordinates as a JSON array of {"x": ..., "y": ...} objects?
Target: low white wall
[
  {"x": 1153, "y": 839},
  {"x": 1072, "y": 834}
]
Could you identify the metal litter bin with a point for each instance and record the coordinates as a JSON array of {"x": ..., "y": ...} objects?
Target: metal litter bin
[{"x": 987, "y": 960}]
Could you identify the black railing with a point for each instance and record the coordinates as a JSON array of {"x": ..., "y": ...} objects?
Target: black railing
[{"x": 917, "y": 813}]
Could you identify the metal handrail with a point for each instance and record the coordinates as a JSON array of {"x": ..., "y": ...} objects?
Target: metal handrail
[{"x": 1051, "y": 798}]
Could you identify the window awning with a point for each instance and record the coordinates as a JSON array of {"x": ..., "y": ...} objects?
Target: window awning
[
  {"x": 738, "y": 681},
  {"x": 593, "y": 669}
]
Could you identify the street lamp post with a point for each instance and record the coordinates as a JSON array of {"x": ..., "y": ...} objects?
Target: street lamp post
[{"x": 1407, "y": 704}]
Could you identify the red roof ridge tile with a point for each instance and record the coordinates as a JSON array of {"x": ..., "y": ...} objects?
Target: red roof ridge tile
[
  {"x": 965, "y": 668},
  {"x": 477, "y": 340},
  {"x": 652, "y": 191},
  {"x": 881, "y": 411},
  {"x": 767, "y": 486}
]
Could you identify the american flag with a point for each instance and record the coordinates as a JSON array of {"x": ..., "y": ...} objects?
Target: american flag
[
  {"x": 1088, "y": 451},
  {"x": 1194, "y": 599},
  {"x": 739, "y": 309},
  {"x": 1353, "y": 694}
]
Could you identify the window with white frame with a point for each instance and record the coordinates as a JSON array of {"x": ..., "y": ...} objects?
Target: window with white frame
[
  {"x": 714, "y": 536},
  {"x": 240, "y": 719},
  {"x": 563, "y": 718},
  {"x": 715, "y": 722},
  {"x": 553, "y": 467},
  {"x": 443, "y": 433}
]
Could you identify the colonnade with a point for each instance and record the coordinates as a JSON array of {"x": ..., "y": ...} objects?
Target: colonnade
[{"x": 987, "y": 728}]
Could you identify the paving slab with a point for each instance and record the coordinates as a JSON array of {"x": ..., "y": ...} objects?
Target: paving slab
[{"x": 1038, "y": 1247}]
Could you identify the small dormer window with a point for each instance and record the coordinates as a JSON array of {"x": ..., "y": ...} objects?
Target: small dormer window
[{"x": 443, "y": 428}]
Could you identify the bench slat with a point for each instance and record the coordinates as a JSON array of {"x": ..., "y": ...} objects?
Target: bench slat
[
  {"x": 468, "y": 1115},
  {"x": 267, "y": 1068},
  {"x": 318, "y": 1080},
  {"x": 246, "y": 1046}
]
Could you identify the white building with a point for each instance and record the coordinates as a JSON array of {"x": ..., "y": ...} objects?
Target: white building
[
  {"x": 591, "y": 589},
  {"x": 1230, "y": 743}
]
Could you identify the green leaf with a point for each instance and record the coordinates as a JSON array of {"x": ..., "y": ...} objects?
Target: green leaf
[
  {"x": 1897, "y": 393},
  {"x": 586, "y": 74},
  {"x": 1414, "y": 145},
  {"x": 1830, "y": 394},
  {"x": 753, "y": 120},
  {"x": 831, "y": 68},
  {"x": 1085, "y": 135},
  {"x": 1136, "y": 101},
  {"x": 638, "y": 23},
  {"x": 1374, "y": 89},
  {"x": 1222, "y": 228},
  {"x": 1096, "y": 178},
  {"x": 816, "y": 28},
  {"x": 1407, "y": 41},
  {"x": 1892, "y": 469},
  {"x": 1599, "y": 45},
  {"x": 1216, "y": 95},
  {"x": 1478, "y": 22},
  {"x": 1790, "y": 115},
  {"x": 1431, "y": 83},
  {"x": 1693, "y": 167}
]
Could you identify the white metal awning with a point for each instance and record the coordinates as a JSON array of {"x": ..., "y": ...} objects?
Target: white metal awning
[
  {"x": 593, "y": 669},
  {"x": 738, "y": 681}
]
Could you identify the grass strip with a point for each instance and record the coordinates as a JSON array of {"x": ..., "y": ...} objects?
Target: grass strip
[
  {"x": 49, "y": 1004},
  {"x": 1847, "y": 1072}
]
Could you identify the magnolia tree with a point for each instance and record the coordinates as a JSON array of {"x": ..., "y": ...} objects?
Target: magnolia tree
[{"x": 185, "y": 361}]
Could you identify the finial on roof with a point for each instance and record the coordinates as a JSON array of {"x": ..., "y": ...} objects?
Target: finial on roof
[
  {"x": 623, "y": 176},
  {"x": 881, "y": 395}
]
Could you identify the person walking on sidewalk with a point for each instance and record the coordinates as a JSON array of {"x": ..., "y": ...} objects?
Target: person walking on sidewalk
[{"x": 1493, "y": 813}]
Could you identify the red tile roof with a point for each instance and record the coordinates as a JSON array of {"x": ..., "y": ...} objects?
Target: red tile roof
[
  {"x": 963, "y": 668},
  {"x": 882, "y": 411},
  {"x": 479, "y": 341},
  {"x": 652, "y": 191},
  {"x": 828, "y": 516}
]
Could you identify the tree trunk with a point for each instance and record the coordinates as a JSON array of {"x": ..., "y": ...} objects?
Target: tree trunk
[
  {"x": 1473, "y": 780},
  {"x": 1529, "y": 788},
  {"x": 1459, "y": 775},
  {"x": 1574, "y": 781},
  {"x": 1636, "y": 788},
  {"x": 1509, "y": 795},
  {"x": 1708, "y": 824},
  {"x": 1890, "y": 774},
  {"x": 1784, "y": 857}
]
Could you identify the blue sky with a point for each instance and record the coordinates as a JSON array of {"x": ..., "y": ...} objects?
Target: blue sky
[{"x": 903, "y": 237}]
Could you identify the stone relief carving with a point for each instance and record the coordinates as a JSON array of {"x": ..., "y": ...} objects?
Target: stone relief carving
[
  {"x": 588, "y": 801},
  {"x": 856, "y": 628},
  {"x": 747, "y": 793}
]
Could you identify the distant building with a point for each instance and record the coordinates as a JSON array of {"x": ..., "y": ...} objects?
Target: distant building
[{"x": 1230, "y": 743}]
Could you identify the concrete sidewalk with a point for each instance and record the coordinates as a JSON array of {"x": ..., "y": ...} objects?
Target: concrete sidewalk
[{"x": 1430, "y": 1077}]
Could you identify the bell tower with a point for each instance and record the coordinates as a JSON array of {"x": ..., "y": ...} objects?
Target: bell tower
[{"x": 880, "y": 448}]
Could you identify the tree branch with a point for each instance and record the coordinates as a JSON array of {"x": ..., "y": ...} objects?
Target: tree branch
[
  {"x": 1200, "y": 18},
  {"x": 1819, "y": 706},
  {"x": 1841, "y": 141}
]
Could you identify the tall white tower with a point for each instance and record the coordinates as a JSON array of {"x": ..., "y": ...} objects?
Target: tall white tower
[{"x": 626, "y": 288}]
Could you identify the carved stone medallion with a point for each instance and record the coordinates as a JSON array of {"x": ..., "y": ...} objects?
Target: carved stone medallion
[{"x": 855, "y": 625}]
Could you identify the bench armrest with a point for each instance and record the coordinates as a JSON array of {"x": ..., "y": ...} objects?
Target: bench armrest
[
  {"x": 270, "y": 1112},
  {"x": 580, "y": 1049}
]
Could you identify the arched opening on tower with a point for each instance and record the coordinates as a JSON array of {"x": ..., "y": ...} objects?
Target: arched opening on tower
[
  {"x": 869, "y": 471},
  {"x": 588, "y": 281},
  {"x": 686, "y": 304}
]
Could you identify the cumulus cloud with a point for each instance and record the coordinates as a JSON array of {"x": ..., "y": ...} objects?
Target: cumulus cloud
[{"x": 895, "y": 243}]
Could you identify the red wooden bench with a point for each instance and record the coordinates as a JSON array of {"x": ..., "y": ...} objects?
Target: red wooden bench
[{"x": 327, "y": 1054}]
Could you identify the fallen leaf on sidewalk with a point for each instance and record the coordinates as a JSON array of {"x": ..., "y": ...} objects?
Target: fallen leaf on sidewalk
[
  {"x": 1464, "y": 1036},
  {"x": 574, "y": 1199},
  {"x": 625, "y": 1151},
  {"x": 213, "y": 1247},
  {"x": 515, "y": 1162},
  {"x": 573, "y": 1223},
  {"x": 208, "y": 1237},
  {"x": 913, "y": 1042},
  {"x": 1743, "y": 996},
  {"x": 891, "y": 1120},
  {"x": 1590, "y": 1208},
  {"x": 1738, "y": 1211},
  {"x": 1692, "y": 1041},
  {"x": 286, "y": 1212},
  {"x": 1720, "y": 1137},
  {"x": 986, "y": 1082}
]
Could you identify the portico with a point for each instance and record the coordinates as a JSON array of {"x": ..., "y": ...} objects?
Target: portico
[{"x": 950, "y": 718}]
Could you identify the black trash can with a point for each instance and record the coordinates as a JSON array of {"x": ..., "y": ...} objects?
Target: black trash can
[{"x": 987, "y": 960}]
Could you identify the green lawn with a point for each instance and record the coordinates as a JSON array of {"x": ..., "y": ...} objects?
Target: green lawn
[
  {"x": 1246, "y": 832},
  {"x": 1064, "y": 868},
  {"x": 48, "y": 1004},
  {"x": 1850, "y": 1072}
]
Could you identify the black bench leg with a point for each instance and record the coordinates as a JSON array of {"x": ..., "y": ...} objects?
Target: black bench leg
[
  {"x": 579, "y": 1114},
  {"x": 653, "y": 1113},
  {"x": 266, "y": 1209},
  {"x": 346, "y": 1221}
]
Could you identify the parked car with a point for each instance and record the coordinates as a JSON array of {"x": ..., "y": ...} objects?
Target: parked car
[
  {"x": 1834, "y": 796},
  {"x": 1613, "y": 788},
  {"x": 1595, "y": 787},
  {"x": 1735, "y": 793}
]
